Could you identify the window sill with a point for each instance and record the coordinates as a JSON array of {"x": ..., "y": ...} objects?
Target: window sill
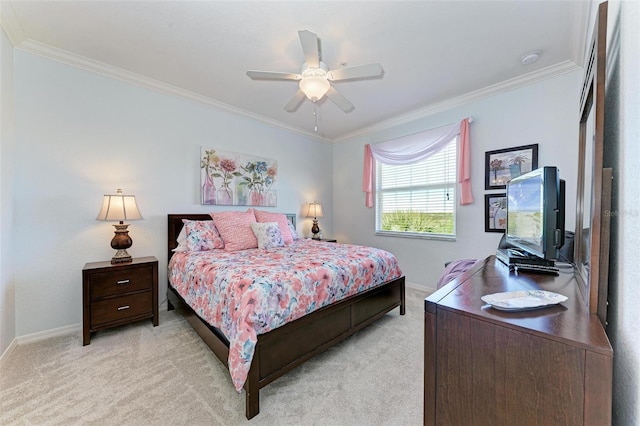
[{"x": 416, "y": 236}]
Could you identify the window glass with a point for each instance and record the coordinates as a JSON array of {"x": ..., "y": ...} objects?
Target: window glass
[{"x": 419, "y": 199}]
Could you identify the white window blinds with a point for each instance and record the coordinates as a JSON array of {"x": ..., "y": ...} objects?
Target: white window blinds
[{"x": 418, "y": 198}]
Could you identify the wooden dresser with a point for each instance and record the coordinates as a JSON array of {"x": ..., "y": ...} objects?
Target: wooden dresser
[
  {"x": 117, "y": 294},
  {"x": 483, "y": 366}
]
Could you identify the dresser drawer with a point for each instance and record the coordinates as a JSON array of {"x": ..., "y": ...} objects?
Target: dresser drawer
[
  {"x": 119, "y": 308},
  {"x": 118, "y": 282}
]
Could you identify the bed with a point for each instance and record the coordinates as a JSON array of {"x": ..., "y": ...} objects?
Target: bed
[{"x": 285, "y": 347}]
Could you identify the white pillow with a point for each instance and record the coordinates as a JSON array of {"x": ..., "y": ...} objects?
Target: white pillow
[
  {"x": 294, "y": 233},
  {"x": 182, "y": 241},
  {"x": 268, "y": 234}
]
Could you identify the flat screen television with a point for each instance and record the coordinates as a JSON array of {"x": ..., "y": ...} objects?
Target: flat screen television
[{"x": 536, "y": 212}]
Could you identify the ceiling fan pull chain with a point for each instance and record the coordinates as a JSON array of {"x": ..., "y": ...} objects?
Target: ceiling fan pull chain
[{"x": 315, "y": 116}]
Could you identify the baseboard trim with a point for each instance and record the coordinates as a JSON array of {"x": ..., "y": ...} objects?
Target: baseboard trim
[
  {"x": 7, "y": 353},
  {"x": 77, "y": 328},
  {"x": 47, "y": 334},
  {"x": 420, "y": 287}
]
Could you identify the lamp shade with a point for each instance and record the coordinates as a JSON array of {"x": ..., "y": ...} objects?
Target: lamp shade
[
  {"x": 315, "y": 210},
  {"x": 314, "y": 87},
  {"x": 119, "y": 207}
]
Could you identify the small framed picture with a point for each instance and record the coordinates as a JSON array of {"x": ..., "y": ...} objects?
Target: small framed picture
[
  {"x": 503, "y": 165},
  {"x": 495, "y": 212}
]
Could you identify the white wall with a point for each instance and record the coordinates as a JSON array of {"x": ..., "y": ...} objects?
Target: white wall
[
  {"x": 622, "y": 153},
  {"x": 81, "y": 135},
  {"x": 7, "y": 283},
  {"x": 544, "y": 113}
]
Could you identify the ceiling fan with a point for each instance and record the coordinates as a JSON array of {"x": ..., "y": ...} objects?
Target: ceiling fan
[{"x": 315, "y": 77}]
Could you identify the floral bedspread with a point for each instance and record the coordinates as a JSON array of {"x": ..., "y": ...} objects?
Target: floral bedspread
[{"x": 250, "y": 292}]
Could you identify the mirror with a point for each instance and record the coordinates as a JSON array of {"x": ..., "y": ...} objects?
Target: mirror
[
  {"x": 594, "y": 183},
  {"x": 583, "y": 222}
]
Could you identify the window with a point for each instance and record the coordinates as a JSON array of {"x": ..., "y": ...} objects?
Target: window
[{"x": 419, "y": 199}]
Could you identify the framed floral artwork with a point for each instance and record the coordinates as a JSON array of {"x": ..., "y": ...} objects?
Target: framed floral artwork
[
  {"x": 234, "y": 179},
  {"x": 495, "y": 212},
  {"x": 503, "y": 165}
]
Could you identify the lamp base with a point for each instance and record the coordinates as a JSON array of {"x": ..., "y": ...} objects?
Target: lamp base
[
  {"x": 121, "y": 257},
  {"x": 315, "y": 229},
  {"x": 121, "y": 242}
]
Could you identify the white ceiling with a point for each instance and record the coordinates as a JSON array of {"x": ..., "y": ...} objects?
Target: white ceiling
[{"x": 432, "y": 52}]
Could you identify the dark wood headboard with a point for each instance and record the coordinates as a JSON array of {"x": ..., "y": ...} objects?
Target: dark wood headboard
[{"x": 175, "y": 226}]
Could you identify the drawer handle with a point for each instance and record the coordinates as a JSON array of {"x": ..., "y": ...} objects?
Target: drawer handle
[
  {"x": 123, "y": 308},
  {"x": 123, "y": 282}
]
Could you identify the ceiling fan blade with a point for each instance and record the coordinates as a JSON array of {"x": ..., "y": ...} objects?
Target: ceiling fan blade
[
  {"x": 342, "y": 102},
  {"x": 295, "y": 102},
  {"x": 310, "y": 49},
  {"x": 359, "y": 71},
  {"x": 273, "y": 75}
]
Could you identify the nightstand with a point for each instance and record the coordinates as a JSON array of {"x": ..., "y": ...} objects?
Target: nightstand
[
  {"x": 117, "y": 294},
  {"x": 327, "y": 240}
]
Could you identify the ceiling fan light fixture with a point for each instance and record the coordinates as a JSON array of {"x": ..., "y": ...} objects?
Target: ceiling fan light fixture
[
  {"x": 315, "y": 87},
  {"x": 315, "y": 79}
]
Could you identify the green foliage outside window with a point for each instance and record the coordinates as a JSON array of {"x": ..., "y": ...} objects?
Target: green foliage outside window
[{"x": 408, "y": 221}]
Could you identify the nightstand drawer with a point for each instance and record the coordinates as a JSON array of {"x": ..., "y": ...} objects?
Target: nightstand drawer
[
  {"x": 117, "y": 294},
  {"x": 118, "y": 308},
  {"x": 120, "y": 281}
]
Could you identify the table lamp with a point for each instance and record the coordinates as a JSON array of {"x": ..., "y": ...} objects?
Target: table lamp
[
  {"x": 315, "y": 211},
  {"x": 120, "y": 207}
]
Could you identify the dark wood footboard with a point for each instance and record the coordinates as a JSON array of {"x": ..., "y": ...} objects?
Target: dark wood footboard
[{"x": 281, "y": 350}]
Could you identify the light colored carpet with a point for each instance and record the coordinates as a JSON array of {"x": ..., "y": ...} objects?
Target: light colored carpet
[{"x": 143, "y": 375}]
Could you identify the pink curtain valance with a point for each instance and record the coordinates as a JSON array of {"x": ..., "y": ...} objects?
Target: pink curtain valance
[{"x": 417, "y": 147}]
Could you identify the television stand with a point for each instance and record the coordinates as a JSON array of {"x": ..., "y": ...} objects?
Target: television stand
[{"x": 512, "y": 257}]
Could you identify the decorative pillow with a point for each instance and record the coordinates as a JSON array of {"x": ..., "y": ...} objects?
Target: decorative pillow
[
  {"x": 235, "y": 229},
  {"x": 294, "y": 233},
  {"x": 268, "y": 234},
  {"x": 280, "y": 218},
  {"x": 198, "y": 235}
]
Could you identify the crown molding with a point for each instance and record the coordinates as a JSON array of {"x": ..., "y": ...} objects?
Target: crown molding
[
  {"x": 69, "y": 58},
  {"x": 495, "y": 89},
  {"x": 10, "y": 24},
  {"x": 580, "y": 31},
  {"x": 60, "y": 55}
]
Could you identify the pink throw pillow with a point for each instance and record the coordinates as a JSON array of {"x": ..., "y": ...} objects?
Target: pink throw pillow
[
  {"x": 280, "y": 219},
  {"x": 235, "y": 229}
]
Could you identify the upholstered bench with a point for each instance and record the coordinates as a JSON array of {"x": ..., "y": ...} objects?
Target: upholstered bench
[{"x": 453, "y": 269}]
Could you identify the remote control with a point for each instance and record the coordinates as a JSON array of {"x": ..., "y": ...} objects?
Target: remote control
[{"x": 523, "y": 267}]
